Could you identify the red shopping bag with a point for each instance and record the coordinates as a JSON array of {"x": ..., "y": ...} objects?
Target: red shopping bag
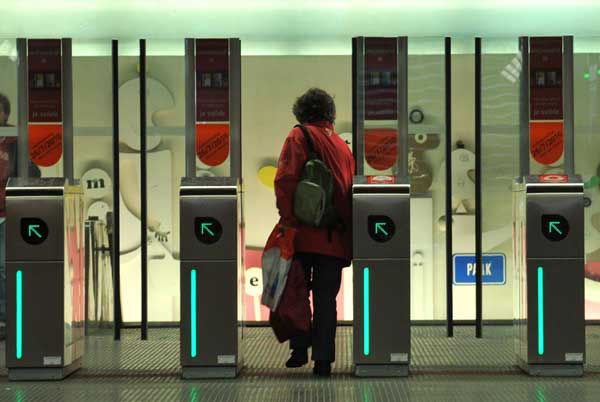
[{"x": 292, "y": 316}]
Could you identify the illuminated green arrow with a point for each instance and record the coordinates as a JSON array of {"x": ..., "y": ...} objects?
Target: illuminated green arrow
[
  {"x": 32, "y": 230},
  {"x": 379, "y": 227},
  {"x": 553, "y": 225},
  {"x": 204, "y": 227}
]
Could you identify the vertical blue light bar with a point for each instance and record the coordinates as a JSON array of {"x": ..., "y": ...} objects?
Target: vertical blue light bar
[
  {"x": 540, "y": 284},
  {"x": 193, "y": 312},
  {"x": 366, "y": 313},
  {"x": 19, "y": 314}
]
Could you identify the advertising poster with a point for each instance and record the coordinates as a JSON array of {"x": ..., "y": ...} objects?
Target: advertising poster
[
  {"x": 546, "y": 141},
  {"x": 546, "y": 100},
  {"x": 212, "y": 143},
  {"x": 212, "y": 80},
  {"x": 45, "y": 101},
  {"x": 381, "y": 147},
  {"x": 381, "y": 80},
  {"x": 212, "y": 101}
]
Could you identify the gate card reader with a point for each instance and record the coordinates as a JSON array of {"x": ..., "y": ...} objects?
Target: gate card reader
[
  {"x": 381, "y": 267},
  {"x": 45, "y": 292},
  {"x": 549, "y": 267},
  {"x": 210, "y": 277}
]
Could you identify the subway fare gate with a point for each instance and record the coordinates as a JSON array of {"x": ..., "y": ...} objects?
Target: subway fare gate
[
  {"x": 45, "y": 296},
  {"x": 381, "y": 208},
  {"x": 211, "y": 214},
  {"x": 548, "y": 212}
]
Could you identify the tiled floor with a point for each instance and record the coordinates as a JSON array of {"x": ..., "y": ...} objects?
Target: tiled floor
[{"x": 459, "y": 369}]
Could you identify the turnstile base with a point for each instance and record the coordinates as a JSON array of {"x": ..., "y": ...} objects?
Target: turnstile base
[
  {"x": 552, "y": 370},
  {"x": 198, "y": 373},
  {"x": 381, "y": 370},
  {"x": 43, "y": 373}
]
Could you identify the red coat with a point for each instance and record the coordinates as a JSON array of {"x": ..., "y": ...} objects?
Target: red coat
[{"x": 337, "y": 156}]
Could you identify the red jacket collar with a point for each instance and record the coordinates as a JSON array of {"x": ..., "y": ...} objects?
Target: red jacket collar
[{"x": 321, "y": 124}]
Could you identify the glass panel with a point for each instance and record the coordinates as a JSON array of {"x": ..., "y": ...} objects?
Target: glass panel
[
  {"x": 463, "y": 166},
  {"x": 587, "y": 163},
  {"x": 93, "y": 166},
  {"x": 501, "y": 71},
  {"x": 129, "y": 167},
  {"x": 426, "y": 108},
  {"x": 270, "y": 85},
  {"x": 165, "y": 110}
]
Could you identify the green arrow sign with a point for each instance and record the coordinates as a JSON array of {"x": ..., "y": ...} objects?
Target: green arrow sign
[
  {"x": 553, "y": 225},
  {"x": 205, "y": 227},
  {"x": 32, "y": 229},
  {"x": 379, "y": 228}
]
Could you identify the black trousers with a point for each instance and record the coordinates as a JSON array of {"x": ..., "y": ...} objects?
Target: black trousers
[{"x": 323, "y": 276}]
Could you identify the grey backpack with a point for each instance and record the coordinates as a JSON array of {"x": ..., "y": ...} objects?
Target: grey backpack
[{"x": 313, "y": 200}]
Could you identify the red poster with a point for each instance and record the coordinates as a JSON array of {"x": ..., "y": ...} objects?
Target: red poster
[
  {"x": 45, "y": 143},
  {"x": 45, "y": 101},
  {"x": 212, "y": 80},
  {"x": 546, "y": 140},
  {"x": 381, "y": 147},
  {"x": 381, "y": 80},
  {"x": 212, "y": 143},
  {"x": 545, "y": 72}
]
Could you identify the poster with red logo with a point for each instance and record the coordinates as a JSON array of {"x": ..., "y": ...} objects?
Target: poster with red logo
[
  {"x": 212, "y": 143},
  {"x": 381, "y": 79},
  {"x": 45, "y": 101},
  {"x": 546, "y": 141},
  {"x": 381, "y": 147},
  {"x": 212, "y": 100},
  {"x": 546, "y": 100}
]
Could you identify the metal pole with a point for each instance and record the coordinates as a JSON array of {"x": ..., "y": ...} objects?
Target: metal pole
[
  {"x": 23, "y": 113},
  {"x": 449, "y": 260},
  {"x": 67, "y": 108},
  {"x": 524, "y": 108},
  {"x": 190, "y": 108},
  {"x": 402, "y": 105},
  {"x": 358, "y": 104},
  {"x": 568, "y": 105},
  {"x": 144, "y": 191},
  {"x": 478, "y": 205},
  {"x": 116, "y": 223},
  {"x": 235, "y": 107}
]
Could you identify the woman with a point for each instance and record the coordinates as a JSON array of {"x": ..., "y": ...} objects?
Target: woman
[{"x": 321, "y": 251}]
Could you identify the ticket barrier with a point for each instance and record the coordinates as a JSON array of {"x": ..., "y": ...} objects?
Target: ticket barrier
[
  {"x": 45, "y": 292},
  {"x": 381, "y": 266},
  {"x": 549, "y": 268},
  {"x": 210, "y": 277}
]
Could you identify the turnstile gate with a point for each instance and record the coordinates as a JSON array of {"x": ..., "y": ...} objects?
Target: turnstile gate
[
  {"x": 381, "y": 230},
  {"x": 45, "y": 296},
  {"x": 210, "y": 277},
  {"x": 549, "y": 268}
]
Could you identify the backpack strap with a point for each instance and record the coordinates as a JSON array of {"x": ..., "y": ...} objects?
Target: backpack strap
[{"x": 312, "y": 153}]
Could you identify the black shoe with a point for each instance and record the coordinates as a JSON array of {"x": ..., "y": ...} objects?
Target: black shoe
[
  {"x": 298, "y": 358},
  {"x": 322, "y": 368}
]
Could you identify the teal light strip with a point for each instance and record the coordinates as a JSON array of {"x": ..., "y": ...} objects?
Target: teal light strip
[
  {"x": 19, "y": 314},
  {"x": 366, "y": 313},
  {"x": 193, "y": 312},
  {"x": 540, "y": 284}
]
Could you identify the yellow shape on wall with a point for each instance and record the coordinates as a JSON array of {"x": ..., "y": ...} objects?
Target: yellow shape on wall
[{"x": 266, "y": 175}]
